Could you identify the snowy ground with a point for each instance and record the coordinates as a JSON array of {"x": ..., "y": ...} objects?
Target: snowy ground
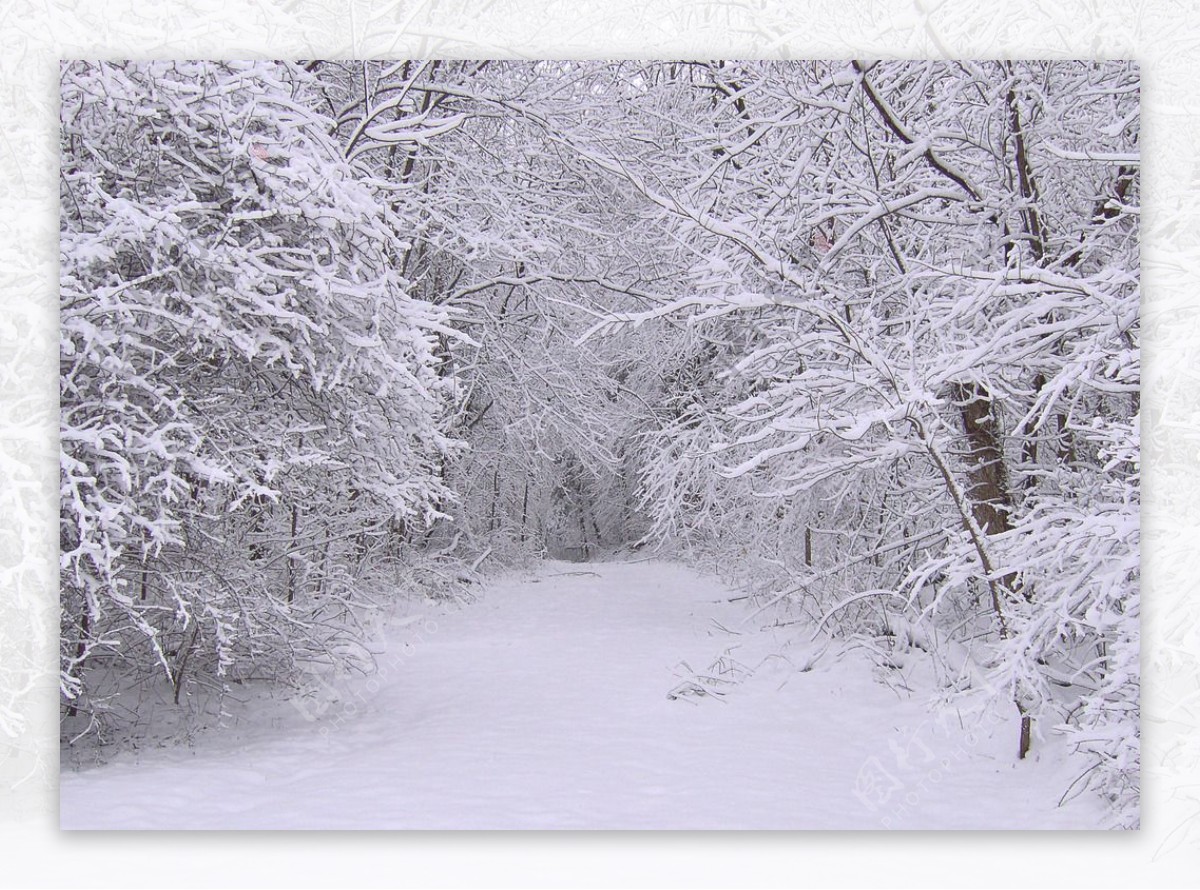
[{"x": 545, "y": 705}]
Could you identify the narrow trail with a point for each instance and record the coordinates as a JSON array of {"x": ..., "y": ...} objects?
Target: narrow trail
[{"x": 545, "y": 705}]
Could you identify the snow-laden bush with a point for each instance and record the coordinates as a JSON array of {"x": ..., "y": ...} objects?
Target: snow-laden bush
[{"x": 251, "y": 401}]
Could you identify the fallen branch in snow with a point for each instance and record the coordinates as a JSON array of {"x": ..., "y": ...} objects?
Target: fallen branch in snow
[
  {"x": 693, "y": 690},
  {"x": 446, "y": 551},
  {"x": 480, "y": 559},
  {"x": 722, "y": 627},
  {"x": 847, "y": 601}
]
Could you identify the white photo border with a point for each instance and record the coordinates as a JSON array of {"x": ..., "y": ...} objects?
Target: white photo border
[{"x": 1162, "y": 35}]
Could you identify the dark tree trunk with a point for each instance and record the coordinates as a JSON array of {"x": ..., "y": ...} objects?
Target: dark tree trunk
[
  {"x": 289, "y": 563},
  {"x": 524, "y": 510},
  {"x": 989, "y": 492}
]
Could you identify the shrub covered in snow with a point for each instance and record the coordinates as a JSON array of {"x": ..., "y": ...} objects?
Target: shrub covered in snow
[{"x": 251, "y": 402}]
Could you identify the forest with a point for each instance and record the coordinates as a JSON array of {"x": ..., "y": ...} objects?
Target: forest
[{"x": 859, "y": 337}]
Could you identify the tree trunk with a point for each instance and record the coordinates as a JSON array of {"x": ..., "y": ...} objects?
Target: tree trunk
[
  {"x": 989, "y": 492},
  {"x": 524, "y": 510},
  {"x": 990, "y": 496},
  {"x": 289, "y": 564}
]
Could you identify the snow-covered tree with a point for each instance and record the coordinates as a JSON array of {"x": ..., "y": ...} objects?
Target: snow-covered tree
[
  {"x": 251, "y": 401},
  {"x": 933, "y": 269},
  {"x": 526, "y": 242}
]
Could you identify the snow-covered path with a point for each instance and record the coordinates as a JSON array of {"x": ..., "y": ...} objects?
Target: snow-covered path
[{"x": 545, "y": 705}]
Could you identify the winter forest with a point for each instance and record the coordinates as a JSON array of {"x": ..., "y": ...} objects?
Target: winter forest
[{"x": 826, "y": 370}]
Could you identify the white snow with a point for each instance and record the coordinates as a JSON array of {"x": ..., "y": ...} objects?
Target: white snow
[{"x": 544, "y": 704}]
